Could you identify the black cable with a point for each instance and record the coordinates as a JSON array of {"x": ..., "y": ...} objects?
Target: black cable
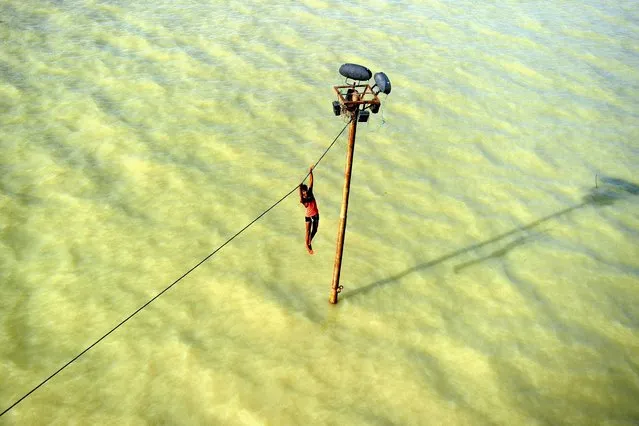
[{"x": 174, "y": 282}]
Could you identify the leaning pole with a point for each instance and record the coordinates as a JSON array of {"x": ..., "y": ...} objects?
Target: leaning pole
[{"x": 355, "y": 100}]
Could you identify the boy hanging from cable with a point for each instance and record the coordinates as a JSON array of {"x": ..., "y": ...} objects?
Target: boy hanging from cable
[{"x": 312, "y": 213}]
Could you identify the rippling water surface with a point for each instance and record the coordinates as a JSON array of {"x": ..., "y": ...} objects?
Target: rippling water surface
[{"x": 491, "y": 266}]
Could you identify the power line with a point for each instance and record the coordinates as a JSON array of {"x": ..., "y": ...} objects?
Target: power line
[{"x": 173, "y": 283}]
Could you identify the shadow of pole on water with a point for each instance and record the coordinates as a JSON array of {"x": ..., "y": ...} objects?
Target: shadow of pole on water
[
  {"x": 611, "y": 190},
  {"x": 495, "y": 254}
]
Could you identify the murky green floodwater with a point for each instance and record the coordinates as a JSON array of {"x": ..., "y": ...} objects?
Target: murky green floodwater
[{"x": 491, "y": 266}]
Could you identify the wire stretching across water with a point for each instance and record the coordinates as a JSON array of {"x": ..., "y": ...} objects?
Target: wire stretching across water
[{"x": 174, "y": 282}]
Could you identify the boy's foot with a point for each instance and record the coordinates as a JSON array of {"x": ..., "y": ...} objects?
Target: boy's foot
[{"x": 309, "y": 248}]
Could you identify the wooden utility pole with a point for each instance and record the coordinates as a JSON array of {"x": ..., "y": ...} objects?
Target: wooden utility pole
[
  {"x": 354, "y": 101},
  {"x": 341, "y": 230}
]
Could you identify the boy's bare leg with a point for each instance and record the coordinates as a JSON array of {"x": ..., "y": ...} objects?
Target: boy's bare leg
[
  {"x": 308, "y": 238},
  {"x": 314, "y": 226}
]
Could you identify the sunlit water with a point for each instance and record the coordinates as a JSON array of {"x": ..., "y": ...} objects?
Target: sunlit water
[{"x": 491, "y": 265}]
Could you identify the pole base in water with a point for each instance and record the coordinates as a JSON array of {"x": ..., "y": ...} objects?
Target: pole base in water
[{"x": 334, "y": 293}]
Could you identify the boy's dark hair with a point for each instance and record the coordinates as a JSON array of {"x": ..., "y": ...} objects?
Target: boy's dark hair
[{"x": 303, "y": 187}]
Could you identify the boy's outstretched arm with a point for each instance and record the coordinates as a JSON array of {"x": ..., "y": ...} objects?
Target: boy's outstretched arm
[{"x": 310, "y": 182}]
